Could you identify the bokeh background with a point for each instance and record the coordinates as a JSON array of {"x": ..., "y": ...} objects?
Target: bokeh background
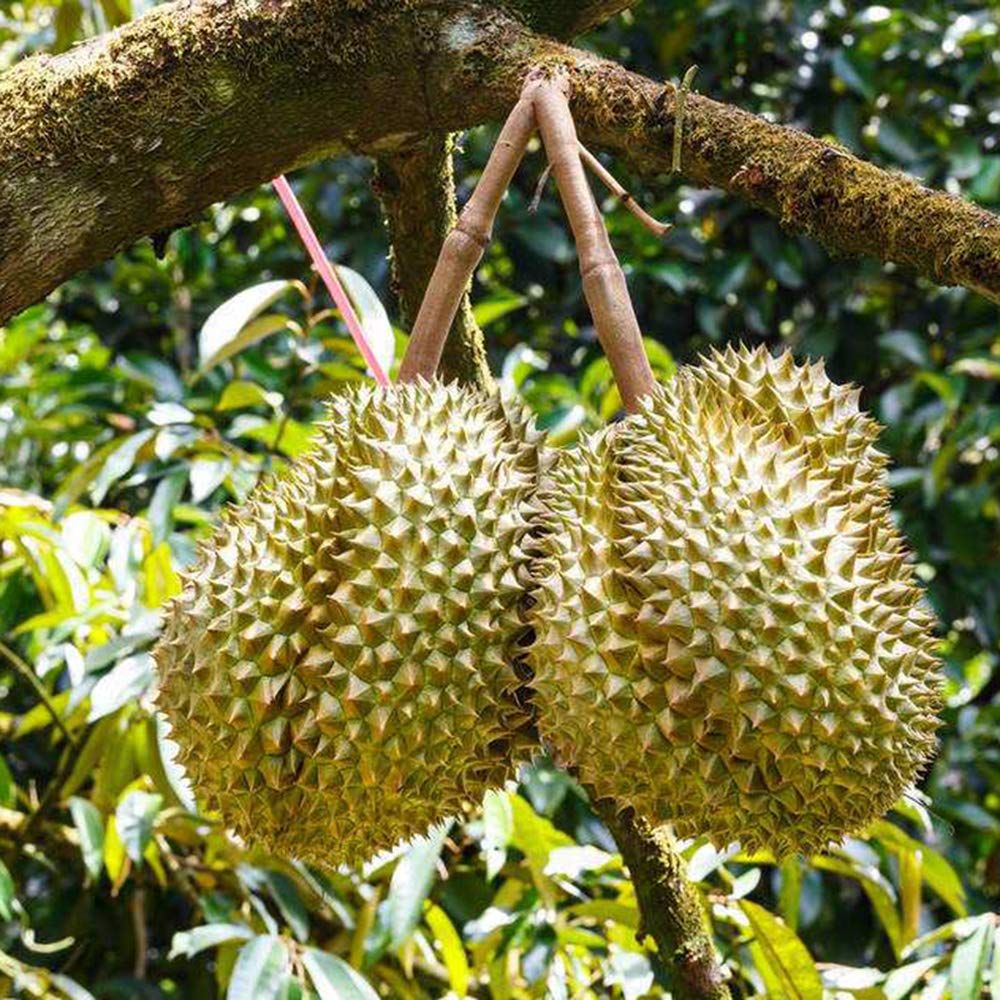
[{"x": 126, "y": 422}]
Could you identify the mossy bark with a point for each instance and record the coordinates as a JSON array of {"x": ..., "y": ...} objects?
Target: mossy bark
[
  {"x": 138, "y": 131},
  {"x": 669, "y": 908},
  {"x": 416, "y": 188},
  {"x": 815, "y": 187}
]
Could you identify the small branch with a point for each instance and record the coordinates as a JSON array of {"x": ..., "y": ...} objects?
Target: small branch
[
  {"x": 38, "y": 687},
  {"x": 464, "y": 247},
  {"x": 610, "y": 182},
  {"x": 812, "y": 186},
  {"x": 670, "y": 910},
  {"x": 416, "y": 189},
  {"x": 604, "y": 284},
  {"x": 543, "y": 179},
  {"x": 138, "y": 907},
  {"x": 15, "y": 831}
]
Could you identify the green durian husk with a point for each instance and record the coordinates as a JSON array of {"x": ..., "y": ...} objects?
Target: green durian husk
[
  {"x": 344, "y": 665},
  {"x": 730, "y": 636}
]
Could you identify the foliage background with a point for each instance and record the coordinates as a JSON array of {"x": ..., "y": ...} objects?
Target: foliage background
[{"x": 118, "y": 444}]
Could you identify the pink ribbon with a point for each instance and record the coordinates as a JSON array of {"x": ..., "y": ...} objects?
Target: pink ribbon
[{"x": 329, "y": 275}]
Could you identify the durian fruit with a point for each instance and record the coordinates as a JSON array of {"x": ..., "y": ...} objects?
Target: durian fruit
[
  {"x": 343, "y": 665},
  {"x": 729, "y": 633}
]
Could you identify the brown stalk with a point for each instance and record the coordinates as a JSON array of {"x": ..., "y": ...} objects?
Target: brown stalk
[
  {"x": 622, "y": 194},
  {"x": 464, "y": 247},
  {"x": 604, "y": 284}
]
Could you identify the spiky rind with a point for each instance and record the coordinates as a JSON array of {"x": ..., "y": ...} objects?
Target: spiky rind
[
  {"x": 343, "y": 666},
  {"x": 729, "y": 634}
]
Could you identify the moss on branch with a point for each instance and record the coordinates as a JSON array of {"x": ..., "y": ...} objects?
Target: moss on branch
[
  {"x": 668, "y": 905},
  {"x": 850, "y": 206}
]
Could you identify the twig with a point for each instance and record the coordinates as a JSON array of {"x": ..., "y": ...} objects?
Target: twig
[
  {"x": 604, "y": 284},
  {"x": 39, "y": 688},
  {"x": 540, "y": 188},
  {"x": 612, "y": 184},
  {"x": 464, "y": 247},
  {"x": 682, "y": 92},
  {"x": 138, "y": 908}
]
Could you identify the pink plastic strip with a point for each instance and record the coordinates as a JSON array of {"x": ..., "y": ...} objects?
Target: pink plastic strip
[{"x": 329, "y": 276}]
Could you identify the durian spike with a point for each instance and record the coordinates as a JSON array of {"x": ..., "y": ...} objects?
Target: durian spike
[
  {"x": 604, "y": 284},
  {"x": 464, "y": 247}
]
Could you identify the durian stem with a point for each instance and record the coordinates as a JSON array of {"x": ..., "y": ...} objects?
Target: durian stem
[
  {"x": 464, "y": 247},
  {"x": 670, "y": 910},
  {"x": 604, "y": 283}
]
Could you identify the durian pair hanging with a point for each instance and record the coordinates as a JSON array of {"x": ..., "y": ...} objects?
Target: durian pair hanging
[{"x": 727, "y": 633}]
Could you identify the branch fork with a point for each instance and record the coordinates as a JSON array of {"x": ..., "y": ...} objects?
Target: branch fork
[{"x": 543, "y": 104}]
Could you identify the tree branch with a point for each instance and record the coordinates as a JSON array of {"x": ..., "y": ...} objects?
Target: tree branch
[
  {"x": 140, "y": 130},
  {"x": 670, "y": 910},
  {"x": 850, "y": 206},
  {"x": 416, "y": 189}
]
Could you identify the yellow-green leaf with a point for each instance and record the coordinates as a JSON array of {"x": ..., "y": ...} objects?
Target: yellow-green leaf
[
  {"x": 781, "y": 958},
  {"x": 451, "y": 948}
]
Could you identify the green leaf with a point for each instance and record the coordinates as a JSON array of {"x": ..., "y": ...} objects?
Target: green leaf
[
  {"x": 781, "y": 958},
  {"x": 166, "y": 414},
  {"x": 534, "y": 836},
  {"x": 206, "y": 476},
  {"x": 501, "y": 302},
  {"x": 7, "y": 893},
  {"x": 411, "y": 883},
  {"x": 939, "y": 875},
  {"x": 8, "y": 790},
  {"x": 705, "y": 860},
  {"x": 286, "y": 895},
  {"x": 790, "y": 892},
  {"x": 68, "y": 24},
  {"x": 334, "y": 979},
  {"x": 128, "y": 679},
  {"x": 90, "y": 828},
  {"x": 856, "y": 75},
  {"x": 187, "y": 944},
  {"x": 907, "y": 345},
  {"x": 910, "y": 880},
  {"x": 234, "y": 325},
  {"x": 116, "y": 11},
  {"x": 968, "y": 964},
  {"x": 371, "y": 314},
  {"x": 878, "y": 889},
  {"x": 995, "y": 971},
  {"x": 134, "y": 819},
  {"x": 452, "y": 951},
  {"x": 744, "y": 884},
  {"x": 86, "y": 537},
  {"x": 573, "y": 861},
  {"x": 261, "y": 970},
  {"x": 901, "y": 981},
  {"x": 243, "y": 393},
  {"x": 498, "y": 827},
  {"x": 660, "y": 359},
  {"x": 161, "y": 507},
  {"x": 118, "y": 462},
  {"x": 977, "y": 367}
]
